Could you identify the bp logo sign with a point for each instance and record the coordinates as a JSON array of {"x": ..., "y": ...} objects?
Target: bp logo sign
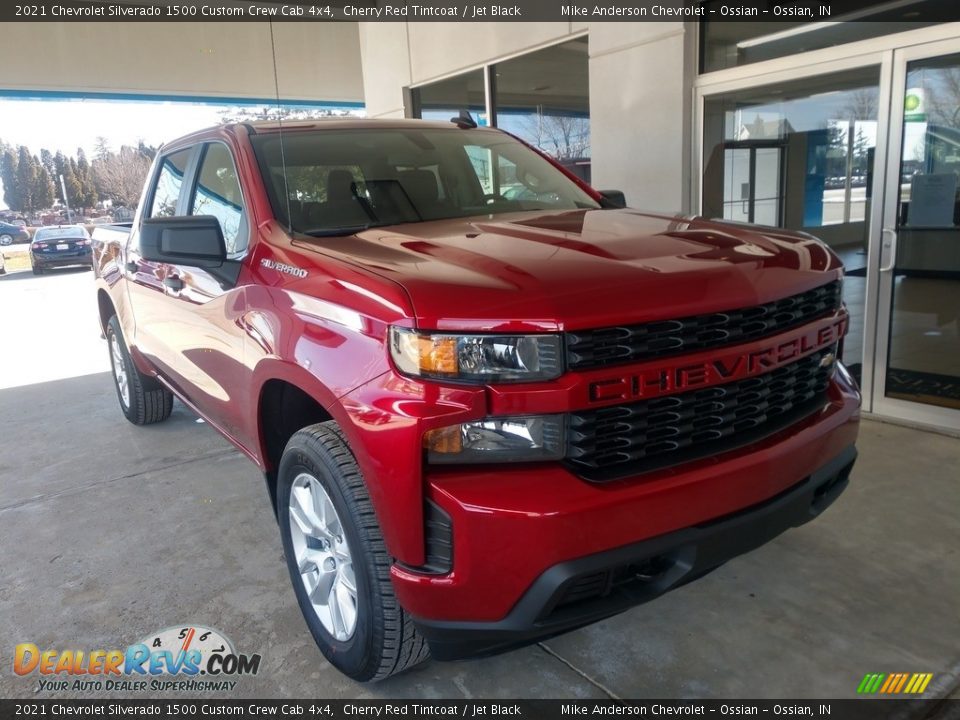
[{"x": 913, "y": 106}]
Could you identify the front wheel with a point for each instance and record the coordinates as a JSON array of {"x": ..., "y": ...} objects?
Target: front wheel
[
  {"x": 143, "y": 400},
  {"x": 6, "y": 239},
  {"x": 338, "y": 561}
]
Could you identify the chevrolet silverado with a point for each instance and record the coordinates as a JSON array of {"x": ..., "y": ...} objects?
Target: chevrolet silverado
[{"x": 490, "y": 403}]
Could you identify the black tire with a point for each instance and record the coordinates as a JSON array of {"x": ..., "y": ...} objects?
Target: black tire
[
  {"x": 149, "y": 402},
  {"x": 37, "y": 270},
  {"x": 384, "y": 641},
  {"x": 6, "y": 239}
]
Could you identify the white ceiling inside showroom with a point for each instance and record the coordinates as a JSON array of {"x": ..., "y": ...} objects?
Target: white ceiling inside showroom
[{"x": 315, "y": 61}]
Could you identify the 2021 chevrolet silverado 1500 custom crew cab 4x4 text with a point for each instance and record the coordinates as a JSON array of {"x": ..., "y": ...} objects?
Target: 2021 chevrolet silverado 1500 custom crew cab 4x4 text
[{"x": 484, "y": 417}]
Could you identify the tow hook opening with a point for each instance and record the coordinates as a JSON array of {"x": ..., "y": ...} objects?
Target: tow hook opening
[
  {"x": 645, "y": 578},
  {"x": 830, "y": 489}
]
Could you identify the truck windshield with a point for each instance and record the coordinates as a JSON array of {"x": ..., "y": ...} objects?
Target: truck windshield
[{"x": 329, "y": 182}]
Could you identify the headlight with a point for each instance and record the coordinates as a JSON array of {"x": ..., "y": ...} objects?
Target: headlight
[
  {"x": 520, "y": 439},
  {"x": 484, "y": 358}
]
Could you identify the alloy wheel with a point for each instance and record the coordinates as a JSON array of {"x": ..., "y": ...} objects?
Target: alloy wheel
[
  {"x": 119, "y": 370},
  {"x": 323, "y": 556}
]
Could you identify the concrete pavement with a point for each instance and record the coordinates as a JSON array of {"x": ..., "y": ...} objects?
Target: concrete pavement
[
  {"x": 48, "y": 326},
  {"x": 110, "y": 532}
]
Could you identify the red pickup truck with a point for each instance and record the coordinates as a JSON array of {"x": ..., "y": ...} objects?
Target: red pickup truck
[{"x": 491, "y": 404}]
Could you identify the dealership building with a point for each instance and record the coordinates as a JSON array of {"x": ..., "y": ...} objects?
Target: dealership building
[{"x": 848, "y": 131}]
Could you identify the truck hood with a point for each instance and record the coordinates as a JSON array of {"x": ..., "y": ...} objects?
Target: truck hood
[{"x": 585, "y": 268}]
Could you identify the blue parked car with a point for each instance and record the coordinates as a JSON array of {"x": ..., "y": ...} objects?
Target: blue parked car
[
  {"x": 10, "y": 234},
  {"x": 54, "y": 247}
]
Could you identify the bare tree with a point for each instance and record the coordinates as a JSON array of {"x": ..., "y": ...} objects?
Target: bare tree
[
  {"x": 942, "y": 97},
  {"x": 120, "y": 176},
  {"x": 253, "y": 113},
  {"x": 564, "y": 136},
  {"x": 862, "y": 104},
  {"x": 101, "y": 148}
]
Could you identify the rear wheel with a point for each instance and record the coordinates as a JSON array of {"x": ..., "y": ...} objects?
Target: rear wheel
[
  {"x": 6, "y": 239},
  {"x": 36, "y": 270},
  {"x": 143, "y": 400},
  {"x": 338, "y": 561}
]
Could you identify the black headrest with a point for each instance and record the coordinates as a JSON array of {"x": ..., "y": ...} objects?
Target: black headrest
[{"x": 339, "y": 186}]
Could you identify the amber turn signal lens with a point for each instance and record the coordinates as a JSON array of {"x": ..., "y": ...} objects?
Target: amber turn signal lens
[
  {"x": 438, "y": 353},
  {"x": 443, "y": 440},
  {"x": 536, "y": 438}
]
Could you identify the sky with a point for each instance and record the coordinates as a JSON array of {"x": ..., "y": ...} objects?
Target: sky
[{"x": 66, "y": 125}]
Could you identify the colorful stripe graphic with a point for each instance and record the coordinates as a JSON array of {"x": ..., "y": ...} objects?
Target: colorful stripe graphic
[{"x": 894, "y": 683}]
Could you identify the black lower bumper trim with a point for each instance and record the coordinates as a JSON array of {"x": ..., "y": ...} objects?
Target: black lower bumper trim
[
  {"x": 579, "y": 592},
  {"x": 51, "y": 264}
]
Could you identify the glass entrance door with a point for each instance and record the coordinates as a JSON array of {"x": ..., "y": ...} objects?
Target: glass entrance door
[
  {"x": 800, "y": 154},
  {"x": 917, "y": 359}
]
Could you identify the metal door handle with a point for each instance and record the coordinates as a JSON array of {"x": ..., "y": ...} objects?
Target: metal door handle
[
  {"x": 891, "y": 248},
  {"x": 173, "y": 282}
]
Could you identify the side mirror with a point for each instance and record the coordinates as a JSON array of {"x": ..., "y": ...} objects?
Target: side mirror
[
  {"x": 194, "y": 240},
  {"x": 613, "y": 198}
]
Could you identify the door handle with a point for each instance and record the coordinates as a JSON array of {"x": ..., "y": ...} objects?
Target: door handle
[
  {"x": 132, "y": 266},
  {"x": 890, "y": 245},
  {"x": 173, "y": 282}
]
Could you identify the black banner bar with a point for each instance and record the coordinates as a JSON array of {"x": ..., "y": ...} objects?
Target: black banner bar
[
  {"x": 924, "y": 11},
  {"x": 862, "y": 709}
]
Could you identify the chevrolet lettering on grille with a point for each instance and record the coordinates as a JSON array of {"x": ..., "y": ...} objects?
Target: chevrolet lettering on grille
[{"x": 722, "y": 368}]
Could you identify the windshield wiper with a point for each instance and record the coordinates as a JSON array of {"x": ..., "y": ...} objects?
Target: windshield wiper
[{"x": 333, "y": 232}]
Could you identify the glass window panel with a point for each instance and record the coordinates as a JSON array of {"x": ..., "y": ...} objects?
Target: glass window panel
[
  {"x": 445, "y": 99},
  {"x": 169, "y": 181},
  {"x": 543, "y": 98},
  {"x": 218, "y": 194},
  {"x": 768, "y": 173},
  {"x": 736, "y": 184},
  {"x": 337, "y": 180},
  {"x": 481, "y": 159},
  {"x": 765, "y": 212},
  {"x": 729, "y": 43},
  {"x": 924, "y": 350},
  {"x": 799, "y": 155}
]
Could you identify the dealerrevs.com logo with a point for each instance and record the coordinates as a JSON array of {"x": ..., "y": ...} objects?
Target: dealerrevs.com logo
[{"x": 189, "y": 658}]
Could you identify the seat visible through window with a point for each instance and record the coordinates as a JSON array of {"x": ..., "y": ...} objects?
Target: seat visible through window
[{"x": 343, "y": 206}]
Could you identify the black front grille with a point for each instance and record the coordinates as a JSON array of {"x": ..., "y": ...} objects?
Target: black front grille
[
  {"x": 633, "y": 343},
  {"x": 621, "y": 440}
]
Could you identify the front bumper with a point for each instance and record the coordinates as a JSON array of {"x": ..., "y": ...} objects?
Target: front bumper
[
  {"x": 514, "y": 525},
  {"x": 577, "y": 592}
]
